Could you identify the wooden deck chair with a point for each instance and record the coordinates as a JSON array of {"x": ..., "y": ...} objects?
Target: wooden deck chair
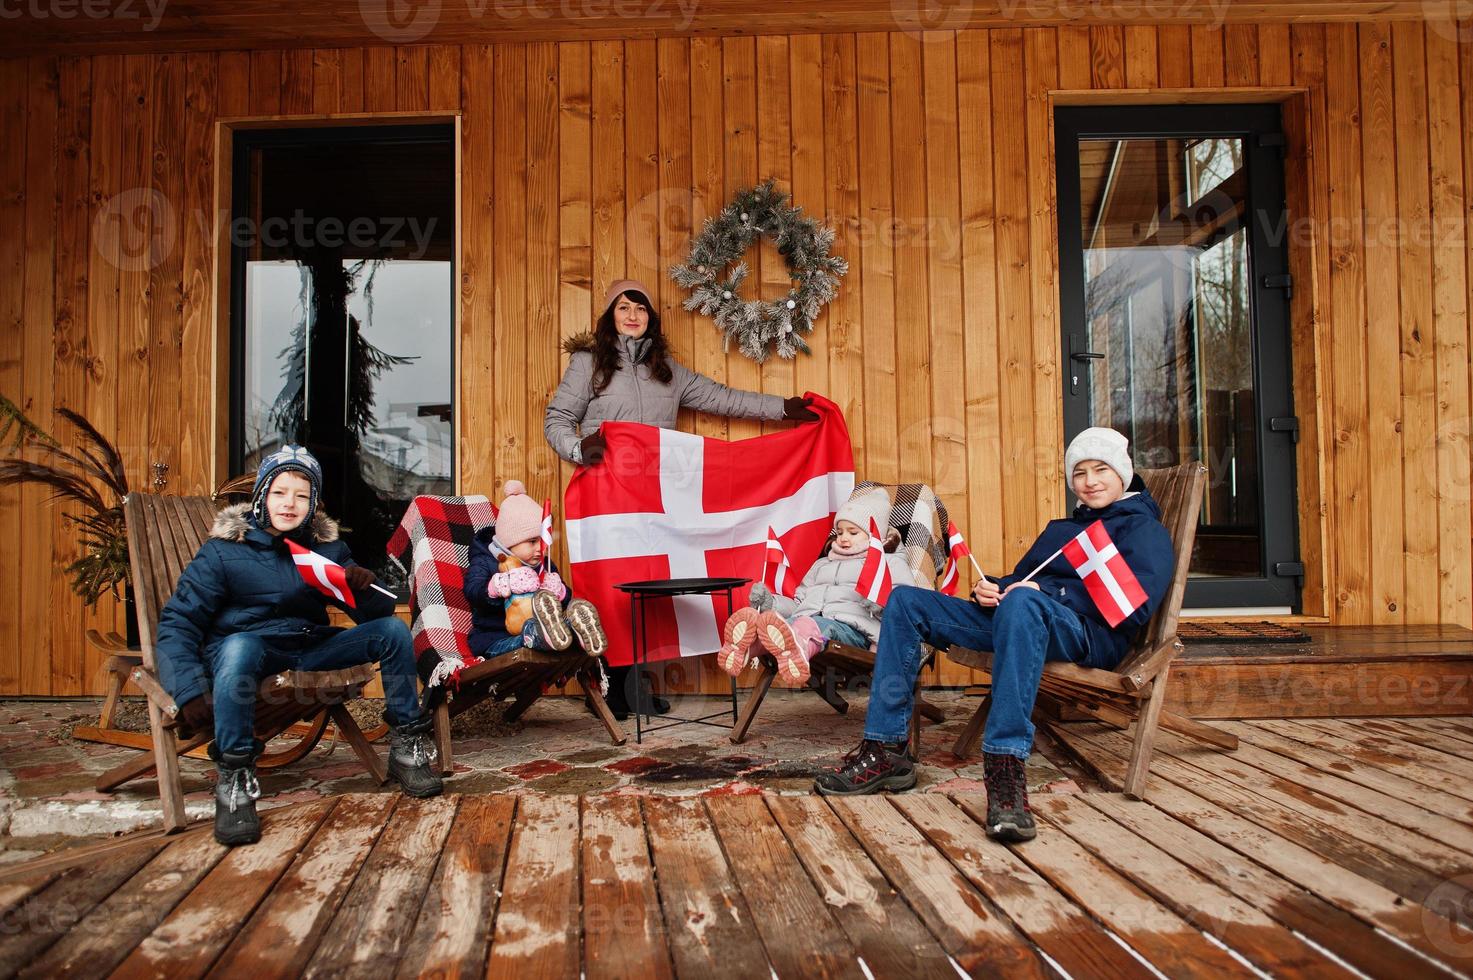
[
  {"x": 1134, "y": 692},
  {"x": 122, "y": 659},
  {"x": 164, "y": 532},
  {"x": 921, "y": 518},
  {"x": 432, "y": 546}
]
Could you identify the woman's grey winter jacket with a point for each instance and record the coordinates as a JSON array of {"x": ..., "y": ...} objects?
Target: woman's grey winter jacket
[
  {"x": 828, "y": 590},
  {"x": 632, "y": 395}
]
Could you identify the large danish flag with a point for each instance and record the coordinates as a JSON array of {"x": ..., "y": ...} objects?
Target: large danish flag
[
  {"x": 1111, "y": 584},
  {"x": 323, "y": 574},
  {"x": 665, "y": 504}
]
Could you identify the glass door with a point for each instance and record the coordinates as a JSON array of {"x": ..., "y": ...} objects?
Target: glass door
[
  {"x": 1174, "y": 301},
  {"x": 343, "y": 315}
]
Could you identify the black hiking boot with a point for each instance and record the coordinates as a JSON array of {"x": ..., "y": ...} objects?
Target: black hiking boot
[
  {"x": 1008, "y": 817},
  {"x": 870, "y": 768},
  {"x": 236, "y": 793},
  {"x": 412, "y": 758}
]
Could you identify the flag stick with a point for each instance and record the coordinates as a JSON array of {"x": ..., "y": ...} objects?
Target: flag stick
[
  {"x": 380, "y": 588},
  {"x": 1029, "y": 576},
  {"x": 978, "y": 568}
]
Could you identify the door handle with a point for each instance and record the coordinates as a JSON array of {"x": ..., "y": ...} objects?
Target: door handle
[{"x": 1086, "y": 355}]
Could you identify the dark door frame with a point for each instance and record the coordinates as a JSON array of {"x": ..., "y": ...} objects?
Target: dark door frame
[{"x": 1259, "y": 126}]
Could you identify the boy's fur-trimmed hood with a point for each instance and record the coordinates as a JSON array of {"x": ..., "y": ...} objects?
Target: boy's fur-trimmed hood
[{"x": 232, "y": 523}]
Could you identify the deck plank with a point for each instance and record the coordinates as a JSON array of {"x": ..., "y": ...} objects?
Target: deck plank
[
  {"x": 623, "y": 931},
  {"x": 451, "y": 936},
  {"x": 187, "y": 942},
  {"x": 1287, "y": 848},
  {"x": 367, "y": 933},
  {"x": 49, "y": 912},
  {"x": 1333, "y": 928},
  {"x": 1458, "y": 752},
  {"x": 1058, "y": 927},
  {"x": 1173, "y": 945},
  {"x": 131, "y": 912},
  {"x": 779, "y": 893},
  {"x": 970, "y": 928},
  {"x": 1406, "y": 765},
  {"x": 280, "y": 938},
  {"x": 885, "y": 932},
  {"x": 1214, "y": 910},
  {"x": 711, "y": 931},
  {"x": 1435, "y": 827},
  {"x": 537, "y": 926},
  {"x": 1266, "y": 735}
]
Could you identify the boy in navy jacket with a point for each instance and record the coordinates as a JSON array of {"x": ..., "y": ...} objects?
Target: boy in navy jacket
[
  {"x": 1024, "y": 623},
  {"x": 242, "y": 611}
]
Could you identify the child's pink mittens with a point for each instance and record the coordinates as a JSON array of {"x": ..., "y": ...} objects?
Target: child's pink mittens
[
  {"x": 553, "y": 582},
  {"x": 523, "y": 580},
  {"x": 500, "y": 585}
]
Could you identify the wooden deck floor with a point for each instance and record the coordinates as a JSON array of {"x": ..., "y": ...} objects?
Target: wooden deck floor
[{"x": 1319, "y": 845}]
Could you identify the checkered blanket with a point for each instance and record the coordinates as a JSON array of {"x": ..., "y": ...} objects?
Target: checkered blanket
[
  {"x": 433, "y": 547},
  {"x": 921, "y": 519}
]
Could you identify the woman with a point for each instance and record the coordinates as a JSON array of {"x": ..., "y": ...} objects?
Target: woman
[{"x": 623, "y": 371}]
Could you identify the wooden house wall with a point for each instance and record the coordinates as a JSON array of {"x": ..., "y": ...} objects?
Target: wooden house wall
[{"x": 583, "y": 162}]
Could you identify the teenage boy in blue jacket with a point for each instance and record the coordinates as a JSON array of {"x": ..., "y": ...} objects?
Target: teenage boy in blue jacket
[
  {"x": 1024, "y": 624},
  {"x": 242, "y": 612}
]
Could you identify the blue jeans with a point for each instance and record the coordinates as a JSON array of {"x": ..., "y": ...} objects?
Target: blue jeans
[
  {"x": 843, "y": 633},
  {"x": 242, "y": 660},
  {"x": 530, "y": 638},
  {"x": 1024, "y": 630}
]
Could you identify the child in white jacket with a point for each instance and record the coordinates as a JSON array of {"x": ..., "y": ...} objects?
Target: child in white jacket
[{"x": 827, "y": 605}]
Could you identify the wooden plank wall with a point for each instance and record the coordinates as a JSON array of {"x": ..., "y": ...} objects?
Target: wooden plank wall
[{"x": 931, "y": 156}]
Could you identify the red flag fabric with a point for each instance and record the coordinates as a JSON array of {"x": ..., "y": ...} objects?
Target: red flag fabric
[
  {"x": 665, "y": 504},
  {"x": 949, "y": 577},
  {"x": 956, "y": 545},
  {"x": 777, "y": 574},
  {"x": 1112, "y": 586},
  {"x": 874, "y": 578},
  {"x": 323, "y": 574}
]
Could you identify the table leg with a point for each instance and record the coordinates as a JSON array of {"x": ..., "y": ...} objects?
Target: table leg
[{"x": 634, "y": 661}]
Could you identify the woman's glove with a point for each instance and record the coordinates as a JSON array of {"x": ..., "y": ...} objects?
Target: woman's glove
[
  {"x": 358, "y": 577},
  {"x": 198, "y": 715},
  {"x": 523, "y": 580},
  {"x": 593, "y": 447},
  {"x": 760, "y": 597},
  {"x": 553, "y": 582},
  {"x": 796, "y": 409},
  {"x": 500, "y": 585}
]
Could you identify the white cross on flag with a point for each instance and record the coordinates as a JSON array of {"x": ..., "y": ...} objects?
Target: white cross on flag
[
  {"x": 665, "y": 504},
  {"x": 546, "y": 534},
  {"x": 1112, "y": 586},
  {"x": 777, "y": 574},
  {"x": 323, "y": 574},
  {"x": 875, "y": 582}
]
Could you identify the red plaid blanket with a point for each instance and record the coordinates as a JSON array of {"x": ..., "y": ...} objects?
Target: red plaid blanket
[{"x": 433, "y": 546}]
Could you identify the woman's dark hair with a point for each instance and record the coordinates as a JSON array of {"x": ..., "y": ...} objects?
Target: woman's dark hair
[{"x": 606, "y": 345}]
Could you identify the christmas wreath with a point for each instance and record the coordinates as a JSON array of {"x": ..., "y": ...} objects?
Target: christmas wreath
[{"x": 759, "y": 326}]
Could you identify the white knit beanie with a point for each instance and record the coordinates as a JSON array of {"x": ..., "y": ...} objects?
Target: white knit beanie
[
  {"x": 864, "y": 505},
  {"x": 1105, "y": 445}
]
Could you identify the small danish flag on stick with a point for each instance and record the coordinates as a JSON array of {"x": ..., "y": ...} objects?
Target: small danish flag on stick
[
  {"x": 874, "y": 578},
  {"x": 1112, "y": 586},
  {"x": 777, "y": 574},
  {"x": 323, "y": 574}
]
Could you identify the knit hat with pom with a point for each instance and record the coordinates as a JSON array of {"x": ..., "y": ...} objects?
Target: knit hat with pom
[
  {"x": 864, "y": 506},
  {"x": 1107, "y": 446},
  {"x": 520, "y": 517},
  {"x": 287, "y": 459}
]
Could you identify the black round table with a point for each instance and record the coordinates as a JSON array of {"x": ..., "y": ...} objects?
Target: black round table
[{"x": 640, "y": 595}]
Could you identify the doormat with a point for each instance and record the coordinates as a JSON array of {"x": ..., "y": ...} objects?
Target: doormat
[{"x": 1196, "y": 631}]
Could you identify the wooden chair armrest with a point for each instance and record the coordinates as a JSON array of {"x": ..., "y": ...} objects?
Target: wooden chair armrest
[
  {"x": 1136, "y": 672},
  {"x": 149, "y": 684}
]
